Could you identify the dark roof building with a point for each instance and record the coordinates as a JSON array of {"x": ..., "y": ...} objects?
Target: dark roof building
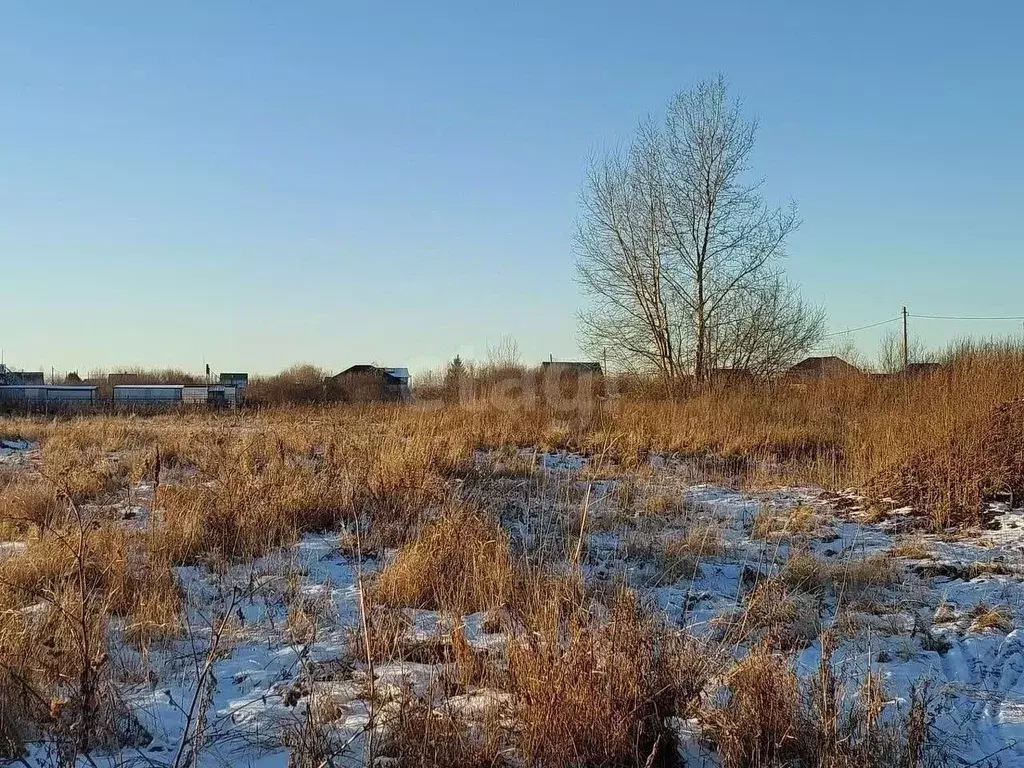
[
  {"x": 368, "y": 383},
  {"x": 822, "y": 368},
  {"x": 13, "y": 378},
  {"x": 568, "y": 382},
  {"x": 579, "y": 369},
  {"x": 239, "y": 380}
]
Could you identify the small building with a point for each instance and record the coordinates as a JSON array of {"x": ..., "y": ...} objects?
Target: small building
[
  {"x": 402, "y": 374},
  {"x": 817, "y": 368},
  {"x": 368, "y": 383},
  {"x": 13, "y": 378},
  {"x": 31, "y": 395},
  {"x": 148, "y": 394},
  {"x": 194, "y": 395},
  {"x": 570, "y": 381},
  {"x": 211, "y": 395},
  {"x": 558, "y": 368},
  {"x": 236, "y": 380}
]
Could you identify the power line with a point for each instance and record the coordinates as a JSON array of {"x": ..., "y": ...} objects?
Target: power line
[
  {"x": 957, "y": 317},
  {"x": 862, "y": 327}
]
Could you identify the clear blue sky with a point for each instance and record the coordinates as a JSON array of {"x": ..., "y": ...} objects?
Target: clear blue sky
[{"x": 260, "y": 183}]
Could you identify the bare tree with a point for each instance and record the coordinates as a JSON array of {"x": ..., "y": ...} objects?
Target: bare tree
[
  {"x": 890, "y": 352},
  {"x": 624, "y": 259},
  {"x": 846, "y": 347},
  {"x": 765, "y": 329},
  {"x": 677, "y": 250}
]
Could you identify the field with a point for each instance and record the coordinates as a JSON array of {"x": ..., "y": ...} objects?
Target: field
[{"x": 827, "y": 575}]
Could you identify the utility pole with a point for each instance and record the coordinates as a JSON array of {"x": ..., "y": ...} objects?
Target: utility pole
[{"x": 906, "y": 351}]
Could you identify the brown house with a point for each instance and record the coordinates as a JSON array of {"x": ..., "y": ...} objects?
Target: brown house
[
  {"x": 815, "y": 368},
  {"x": 366, "y": 384}
]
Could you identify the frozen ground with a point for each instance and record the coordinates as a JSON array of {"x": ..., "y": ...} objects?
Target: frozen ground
[{"x": 238, "y": 689}]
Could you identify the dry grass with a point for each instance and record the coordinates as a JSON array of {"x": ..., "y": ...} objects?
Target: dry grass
[
  {"x": 460, "y": 563},
  {"x": 129, "y": 575},
  {"x": 913, "y": 547},
  {"x": 809, "y": 573},
  {"x": 774, "y": 612},
  {"x": 782, "y": 524},
  {"x": 985, "y": 617},
  {"x": 591, "y": 692},
  {"x": 29, "y": 503},
  {"x": 420, "y": 735},
  {"x": 591, "y": 678},
  {"x": 772, "y": 718},
  {"x": 675, "y": 555}
]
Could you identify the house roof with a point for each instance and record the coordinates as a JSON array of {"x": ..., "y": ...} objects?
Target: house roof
[
  {"x": 819, "y": 365},
  {"x": 575, "y": 367},
  {"x": 368, "y": 370}
]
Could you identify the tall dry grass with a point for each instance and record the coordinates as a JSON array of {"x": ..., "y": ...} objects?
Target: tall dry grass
[
  {"x": 592, "y": 678},
  {"x": 461, "y": 563}
]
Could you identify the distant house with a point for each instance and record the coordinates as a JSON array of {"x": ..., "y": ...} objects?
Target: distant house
[
  {"x": 814, "y": 368},
  {"x": 402, "y": 374},
  {"x": 237, "y": 380},
  {"x": 11, "y": 378},
  {"x": 123, "y": 379},
  {"x": 367, "y": 384},
  {"x": 574, "y": 369},
  {"x": 569, "y": 380}
]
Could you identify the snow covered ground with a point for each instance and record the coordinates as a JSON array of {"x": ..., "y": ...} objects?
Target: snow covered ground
[{"x": 239, "y": 688}]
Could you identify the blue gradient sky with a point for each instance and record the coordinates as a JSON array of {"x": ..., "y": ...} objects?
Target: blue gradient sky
[{"x": 258, "y": 183}]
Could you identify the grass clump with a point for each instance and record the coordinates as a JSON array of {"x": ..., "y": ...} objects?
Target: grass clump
[
  {"x": 985, "y": 617},
  {"x": 806, "y": 572},
  {"x": 773, "y": 718},
  {"x": 953, "y": 481},
  {"x": 461, "y": 563},
  {"x": 773, "y": 524},
  {"x": 591, "y": 691}
]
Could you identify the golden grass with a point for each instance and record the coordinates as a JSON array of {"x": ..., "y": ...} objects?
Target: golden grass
[
  {"x": 772, "y": 718},
  {"x": 912, "y": 547},
  {"x": 460, "y": 563},
  {"x": 773, "y": 611},
  {"x": 985, "y": 617},
  {"x": 921, "y": 439},
  {"x": 418, "y": 734},
  {"x": 676, "y": 555},
  {"x": 781, "y": 524},
  {"x": 587, "y": 680},
  {"x": 592, "y": 692},
  {"x": 124, "y": 572},
  {"x": 809, "y": 573},
  {"x": 29, "y": 503}
]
